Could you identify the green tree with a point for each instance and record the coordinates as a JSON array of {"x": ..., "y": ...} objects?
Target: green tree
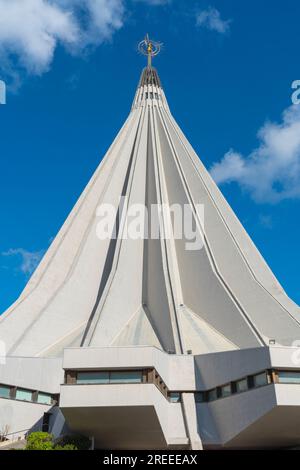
[
  {"x": 66, "y": 447},
  {"x": 78, "y": 441},
  {"x": 40, "y": 441},
  {"x": 45, "y": 441}
]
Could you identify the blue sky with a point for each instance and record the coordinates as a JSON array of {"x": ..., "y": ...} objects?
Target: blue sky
[{"x": 72, "y": 69}]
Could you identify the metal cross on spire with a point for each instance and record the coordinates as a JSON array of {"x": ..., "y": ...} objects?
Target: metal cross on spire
[{"x": 149, "y": 48}]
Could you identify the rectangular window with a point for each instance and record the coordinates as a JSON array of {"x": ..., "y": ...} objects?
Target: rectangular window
[
  {"x": 44, "y": 398},
  {"x": 93, "y": 377},
  {"x": 46, "y": 422},
  {"x": 242, "y": 385},
  {"x": 22, "y": 394},
  {"x": 212, "y": 395},
  {"x": 260, "y": 379},
  {"x": 174, "y": 397},
  {"x": 288, "y": 377},
  {"x": 199, "y": 397},
  {"x": 226, "y": 391},
  {"x": 131, "y": 376},
  {"x": 4, "y": 391}
]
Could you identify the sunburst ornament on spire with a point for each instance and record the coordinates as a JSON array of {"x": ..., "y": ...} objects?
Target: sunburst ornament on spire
[{"x": 149, "y": 48}]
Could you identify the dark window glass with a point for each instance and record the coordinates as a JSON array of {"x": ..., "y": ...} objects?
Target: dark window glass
[
  {"x": 288, "y": 377},
  {"x": 44, "y": 398},
  {"x": 200, "y": 397},
  {"x": 174, "y": 397},
  {"x": 242, "y": 385},
  {"x": 226, "y": 391},
  {"x": 93, "y": 377},
  {"x": 212, "y": 395},
  {"x": 4, "y": 391},
  {"x": 260, "y": 379},
  {"x": 23, "y": 394},
  {"x": 131, "y": 376}
]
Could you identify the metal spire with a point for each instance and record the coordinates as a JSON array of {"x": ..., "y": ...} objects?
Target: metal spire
[{"x": 149, "y": 48}]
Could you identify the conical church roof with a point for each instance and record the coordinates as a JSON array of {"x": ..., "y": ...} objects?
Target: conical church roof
[{"x": 124, "y": 291}]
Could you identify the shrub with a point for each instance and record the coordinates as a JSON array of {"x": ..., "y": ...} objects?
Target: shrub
[
  {"x": 40, "y": 441},
  {"x": 79, "y": 442},
  {"x": 45, "y": 441},
  {"x": 66, "y": 447}
]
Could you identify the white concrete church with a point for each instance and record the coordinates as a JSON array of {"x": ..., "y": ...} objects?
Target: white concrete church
[{"x": 141, "y": 343}]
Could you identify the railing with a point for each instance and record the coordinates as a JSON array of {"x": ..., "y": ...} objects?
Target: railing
[{"x": 13, "y": 437}]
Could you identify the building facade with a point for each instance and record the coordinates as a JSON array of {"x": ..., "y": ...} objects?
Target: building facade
[{"x": 153, "y": 342}]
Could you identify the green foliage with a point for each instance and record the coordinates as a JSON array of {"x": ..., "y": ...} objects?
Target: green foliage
[
  {"x": 40, "y": 441},
  {"x": 45, "y": 441},
  {"x": 79, "y": 442},
  {"x": 66, "y": 447}
]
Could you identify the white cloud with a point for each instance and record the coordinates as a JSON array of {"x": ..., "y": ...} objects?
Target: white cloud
[
  {"x": 271, "y": 172},
  {"x": 29, "y": 259},
  {"x": 211, "y": 19},
  {"x": 97, "y": 19},
  {"x": 30, "y": 30}
]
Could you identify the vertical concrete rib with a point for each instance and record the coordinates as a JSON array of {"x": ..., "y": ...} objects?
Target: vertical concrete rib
[
  {"x": 115, "y": 244},
  {"x": 191, "y": 202},
  {"x": 155, "y": 296}
]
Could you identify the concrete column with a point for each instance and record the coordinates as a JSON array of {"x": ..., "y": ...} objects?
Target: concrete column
[{"x": 190, "y": 418}]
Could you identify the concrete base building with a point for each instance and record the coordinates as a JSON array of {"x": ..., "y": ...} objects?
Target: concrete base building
[{"x": 142, "y": 342}]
